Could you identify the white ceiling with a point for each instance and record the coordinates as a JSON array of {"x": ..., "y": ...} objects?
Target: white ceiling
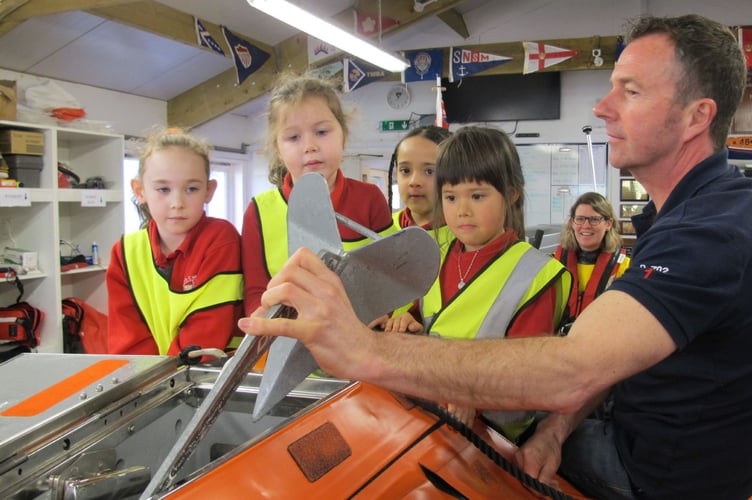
[{"x": 82, "y": 48}]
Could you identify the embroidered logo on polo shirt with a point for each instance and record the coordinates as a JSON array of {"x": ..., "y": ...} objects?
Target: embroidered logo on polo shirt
[{"x": 648, "y": 270}]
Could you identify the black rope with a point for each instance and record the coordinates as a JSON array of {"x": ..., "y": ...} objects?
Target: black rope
[{"x": 490, "y": 452}]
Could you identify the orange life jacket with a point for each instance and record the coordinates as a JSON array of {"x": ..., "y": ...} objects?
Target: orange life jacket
[{"x": 606, "y": 267}]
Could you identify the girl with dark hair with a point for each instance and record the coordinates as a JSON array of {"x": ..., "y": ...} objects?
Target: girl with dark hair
[{"x": 414, "y": 160}]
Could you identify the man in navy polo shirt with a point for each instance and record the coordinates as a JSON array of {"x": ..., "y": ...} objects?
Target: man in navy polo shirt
[{"x": 672, "y": 337}]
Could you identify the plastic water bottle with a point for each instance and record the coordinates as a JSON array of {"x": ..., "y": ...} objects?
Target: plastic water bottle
[{"x": 94, "y": 254}]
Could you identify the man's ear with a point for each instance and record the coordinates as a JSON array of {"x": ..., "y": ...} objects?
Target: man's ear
[{"x": 702, "y": 113}]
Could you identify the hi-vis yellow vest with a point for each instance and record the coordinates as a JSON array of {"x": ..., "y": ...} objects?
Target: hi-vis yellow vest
[
  {"x": 486, "y": 306},
  {"x": 272, "y": 211},
  {"x": 163, "y": 309},
  {"x": 442, "y": 235}
]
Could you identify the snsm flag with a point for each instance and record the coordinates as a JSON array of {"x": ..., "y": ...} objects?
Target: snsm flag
[{"x": 465, "y": 62}]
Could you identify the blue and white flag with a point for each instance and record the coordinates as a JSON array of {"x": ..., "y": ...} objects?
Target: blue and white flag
[
  {"x": 248, "y": 58},
  {"x": 358, "y": 73},
  {"x": 204, "y": 38},
  {"x": 465, "y": 62},
  {"x": 424, "y": 65}
]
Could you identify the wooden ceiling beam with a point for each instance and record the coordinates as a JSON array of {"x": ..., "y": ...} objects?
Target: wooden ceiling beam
[
  {"x": 220, "y": 95},
  {"x": 164, "y": 21},
  {"x": 454, "y": 20}
]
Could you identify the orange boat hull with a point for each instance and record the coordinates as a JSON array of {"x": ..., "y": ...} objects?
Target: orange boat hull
[{"x": 361, "y": 442}]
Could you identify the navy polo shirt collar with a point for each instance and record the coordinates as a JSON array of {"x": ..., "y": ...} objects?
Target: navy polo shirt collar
[{"x": 700, "y": 175}]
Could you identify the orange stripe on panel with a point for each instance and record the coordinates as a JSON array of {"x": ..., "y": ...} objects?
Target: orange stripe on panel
[{"x": 54, "y": 394}]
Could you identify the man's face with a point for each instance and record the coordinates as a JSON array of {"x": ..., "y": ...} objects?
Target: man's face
[{"x": 643, "y": 122}]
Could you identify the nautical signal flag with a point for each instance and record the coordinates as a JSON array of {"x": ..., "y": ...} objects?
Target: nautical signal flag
[
  {"x": 359, "y": 73},
  {"x": 424, "y": 65},
  {"x": 441, "y": 118},
  {"x": 247, "y": 57},
  {"x": 319, "y": 49},
  {"x": 204, "y": 38},
  {"x": 368, "y": 24},
  {"x": 465, "y": 62},
  {"x": 539, "y": 56}
]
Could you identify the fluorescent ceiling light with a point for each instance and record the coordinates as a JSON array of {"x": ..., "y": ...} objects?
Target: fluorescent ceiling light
[{"x": 317, "y": 27}]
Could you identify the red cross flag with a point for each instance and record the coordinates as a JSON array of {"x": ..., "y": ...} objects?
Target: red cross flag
[{"x": 539, "y": 56}]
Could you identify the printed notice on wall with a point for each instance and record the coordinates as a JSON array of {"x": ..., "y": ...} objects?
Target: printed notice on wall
[{"x": 555, "y": 175}]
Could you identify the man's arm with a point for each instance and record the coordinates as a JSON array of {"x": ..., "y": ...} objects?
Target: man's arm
[{"x": 614, "y": 338}]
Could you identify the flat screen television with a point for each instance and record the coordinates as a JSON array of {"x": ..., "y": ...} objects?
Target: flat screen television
[{"x": 495, "y": 98}]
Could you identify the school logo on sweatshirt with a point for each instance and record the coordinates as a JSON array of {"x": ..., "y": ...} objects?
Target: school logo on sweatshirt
[{"x": 189, "y": 283}]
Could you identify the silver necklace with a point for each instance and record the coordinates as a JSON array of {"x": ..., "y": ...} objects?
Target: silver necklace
[{"x": 462, "y": 283}]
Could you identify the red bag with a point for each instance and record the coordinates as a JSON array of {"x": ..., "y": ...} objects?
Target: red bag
[
  {"x": 20, "y": 323},
  {"x": 84, "y": 327}
]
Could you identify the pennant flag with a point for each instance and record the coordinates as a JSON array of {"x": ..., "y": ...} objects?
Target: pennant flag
[
  {"x": 620, "y": 44},
  {"x": 424, "y": 65},
  {"x": 368, "y": 25},
  {"x": 441, "y": 119},
  {"x": 464, "y": 62},
  {"x": 248, "y": 58},
  {"x": 358, "y": 73},
  {"x": 539, "y": 56},
  {"x": 318, "y": 50},
  {"x": 328, "y": 71},
  {"x": 204, "y": 38},
  {"x": 745, "y": 42}
]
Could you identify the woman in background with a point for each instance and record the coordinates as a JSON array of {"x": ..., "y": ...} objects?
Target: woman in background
[{"x": 591, "y": 248}]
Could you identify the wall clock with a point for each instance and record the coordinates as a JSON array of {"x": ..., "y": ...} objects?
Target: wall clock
[{"x": 398, "y": 97}]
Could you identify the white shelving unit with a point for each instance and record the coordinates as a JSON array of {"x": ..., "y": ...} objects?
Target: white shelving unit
[{"x": 79, "y": 216}]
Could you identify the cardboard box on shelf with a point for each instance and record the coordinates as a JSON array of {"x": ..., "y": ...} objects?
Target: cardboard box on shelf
[
  {"x": 27, "y": 259},
  {"x": 7, "y": 100},
  {"x": 21, "y": 142}
]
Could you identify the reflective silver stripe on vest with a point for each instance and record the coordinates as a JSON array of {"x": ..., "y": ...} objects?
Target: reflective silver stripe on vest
[
  {"x": 500, "y": 314},
  {"x": 510, "y": 296}
]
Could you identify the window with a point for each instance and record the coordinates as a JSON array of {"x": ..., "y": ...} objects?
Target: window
[{"x": 227, "y": 202}]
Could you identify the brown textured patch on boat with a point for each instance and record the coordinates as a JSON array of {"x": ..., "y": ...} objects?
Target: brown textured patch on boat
[{"x": 319, "y": 451}]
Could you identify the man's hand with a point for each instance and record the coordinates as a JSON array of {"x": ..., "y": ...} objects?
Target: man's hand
[
  {"x": 326, "y": 321},
  {"x": 540, "y": 456}
]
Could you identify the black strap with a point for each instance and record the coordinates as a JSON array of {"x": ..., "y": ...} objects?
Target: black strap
[
  {"x": 12, "y": 275},
  {"x": 608, "y": 270},
  {"x": 489, "y": 451}
]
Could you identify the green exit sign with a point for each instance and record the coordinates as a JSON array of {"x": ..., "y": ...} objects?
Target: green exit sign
[{"x": 395, "y": 125}]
